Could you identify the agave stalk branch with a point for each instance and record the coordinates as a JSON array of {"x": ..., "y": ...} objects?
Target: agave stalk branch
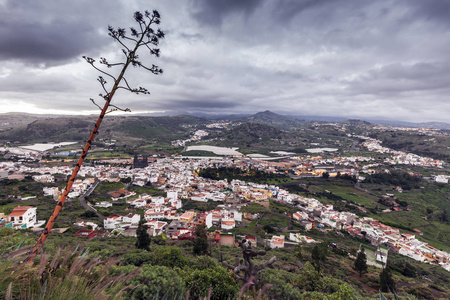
[{"x": 131, "y": 59}]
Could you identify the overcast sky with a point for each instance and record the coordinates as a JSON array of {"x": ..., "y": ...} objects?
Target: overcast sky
[{"x": 351, "y": 58}]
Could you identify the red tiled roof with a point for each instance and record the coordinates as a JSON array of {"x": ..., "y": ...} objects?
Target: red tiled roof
[
  {"x": 22, "y": 207},
  {"x": 17, "y": 213},
  {"x": 229, "y": 223}
]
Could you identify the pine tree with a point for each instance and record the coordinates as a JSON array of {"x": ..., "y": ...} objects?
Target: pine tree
[
  {"x": 361, "y": 262},
  {"x": 319, "y": 255},
  {"x": 298, "y": 253},
  {"x": 200, "y": 240},
  {"x": 387, "y": 283},
  {"x": 143, "y": 238}
]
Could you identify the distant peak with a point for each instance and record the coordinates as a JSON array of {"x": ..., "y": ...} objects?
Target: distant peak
[{"x": 265, "y": 113}]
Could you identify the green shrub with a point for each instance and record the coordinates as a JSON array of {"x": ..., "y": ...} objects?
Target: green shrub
[
  {"x": 137, "y": 257},
  {"x": 170, "y": 256},
  {"x": 281, "y": 282},
  {"x": 156, "y": 282},
  {"x": 198, "y": 282}
]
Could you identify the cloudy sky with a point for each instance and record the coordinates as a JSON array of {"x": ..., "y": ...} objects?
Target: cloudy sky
[{"x": 385, "y": 59}]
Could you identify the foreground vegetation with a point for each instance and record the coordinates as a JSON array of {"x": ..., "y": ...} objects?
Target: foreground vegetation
[{"x": 109, "y": 268}]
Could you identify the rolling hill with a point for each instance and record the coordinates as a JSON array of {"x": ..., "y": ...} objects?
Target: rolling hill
[{"x": 116, "y": 127}]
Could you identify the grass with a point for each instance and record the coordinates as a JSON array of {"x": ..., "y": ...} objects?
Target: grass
[
  {"x": 145, "y": 190},
  {"x": 68, "y": 272},
  {"x": 253, "y": 208},
  {"x": 201, "y": 206},
  {"x": 434, "y": 233},
  {"x": 349, "y": 193},
  {"x": 274, "y": 220},
  {"x": 281, "y": 208},
  {"x": 434, "y": 196},
  {"x": 250, "y": 229}
]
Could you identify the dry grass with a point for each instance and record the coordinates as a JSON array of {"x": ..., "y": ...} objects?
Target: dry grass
[{"x": 70, "y": 274}]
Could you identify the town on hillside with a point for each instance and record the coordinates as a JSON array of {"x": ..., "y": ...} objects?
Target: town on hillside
[{"x": 180, "y": 183}]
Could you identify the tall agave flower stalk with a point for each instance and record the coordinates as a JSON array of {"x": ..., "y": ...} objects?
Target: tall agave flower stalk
[{"x": 142, "y": 36}]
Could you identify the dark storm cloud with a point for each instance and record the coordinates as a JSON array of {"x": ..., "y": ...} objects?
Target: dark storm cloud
[
  {"x": 50, "y": 32},
  {"x": 432, "y": 10},
  {"x": 213, "y": 12},
  {"x": 202, "y": 103},
  {"x": 56, "y": 41},
  {"x": 285, "y": 10}
]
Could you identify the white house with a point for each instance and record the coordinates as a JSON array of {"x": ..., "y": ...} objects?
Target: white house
[
  {"x": 277, "y": 242},
  {"x": 133, "y": 219},
  {"x": 154, "y": 214},
  {"x": 177, "y": 204},
  {"x": 237, "y": 216},
  {"x": 22, "y": 217},
  {"x": 172, "y": 194},
  {"x": 300, "y": 215},
  {"x": 50, "y": 191},
  {"x": 155, "y": 227},
  {"x": 441, "y": 179},
  {"x": 111, "y": 221},
  {"x": 209, "y": 220},
  {"x": 411, "y": 253},
  {"x": 104, "y": 204},
  {"x": 299, "y": 238},
  {"x": 79, "y": 187},
  {"x": 86, "y": 224},
  {"x": 158, "y": 200},
  {"x": 217, "y": 196},
  {"x": 284, "y": 196},
  {"x": 45, "y": 178},
  {"x": 139, "y": 203},
  {"x": 227, "y": 224},
  {"x": 199, "y": 197}
]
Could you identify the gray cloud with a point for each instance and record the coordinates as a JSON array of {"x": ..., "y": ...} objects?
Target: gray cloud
[
  {"x": 214, "y": 12},
  {"x": 395, "y": 79},
  {"x": 286, "y": 10},
  {"x": 51, "y": 32},
  {"x": 26, "y": 42},
  {"x": 435, "y": 11},
  {"x": 326, "y": 57}
]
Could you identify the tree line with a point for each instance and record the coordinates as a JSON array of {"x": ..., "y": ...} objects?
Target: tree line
[
  {"x": 396, "y": 178},
  {"x": 230, "y": 173}
]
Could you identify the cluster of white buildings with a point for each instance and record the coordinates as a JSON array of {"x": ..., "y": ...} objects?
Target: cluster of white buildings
[
  {"x": 313, "y": 213},
  {"x": 197, "y": 136},
  {"x": 403, "y": 243},
  {"x": 400, "y": 157},
  {"x": 178, "y": 177},
  {"x": 121, "y": 222}
]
